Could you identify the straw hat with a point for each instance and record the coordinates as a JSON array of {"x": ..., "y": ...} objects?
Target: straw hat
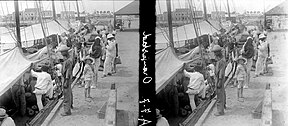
[
  {"x": 262, "y": 36},
  {"x": 110, "y": 36},
  {"x": 249, "y": 38},
  {"x": 88, "y": 58},
  {"x": 216, "y": 48},
  {"x": 3, "y": 113},
  {"x": 97, "y": 37},
  {"x": 241, "y": 58},
  {"x": 62, "y": 48}
]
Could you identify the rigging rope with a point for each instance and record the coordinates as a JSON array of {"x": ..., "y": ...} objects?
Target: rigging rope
[
  {"x": 9, "y": 34},
  {"x": 234, "y": 5},
  {"x": 162, "y": 30},
  {"x": 31, "y": 25},
  {"x": 24, "y": 28},
  {"x": 83, "y": 5},
  {"x": 184, "y": 24},
  {"x": 7, "y": 26},
  {"x": 172, "y": 23}
]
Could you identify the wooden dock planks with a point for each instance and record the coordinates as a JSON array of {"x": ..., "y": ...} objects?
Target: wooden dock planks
[
  {"x": 110, "y": 116},
  {"x": 267, "y": 107}
]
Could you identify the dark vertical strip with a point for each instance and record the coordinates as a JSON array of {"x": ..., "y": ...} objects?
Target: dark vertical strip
[
  {"x": 205, "y": 10},
  {"x": 17, "y": 23},
  {"x": 54, "y": 11},
  {"x": 147, "y": 114},
  {"x": 78, "y": 13},
  {"x": 168, "y": 2}
]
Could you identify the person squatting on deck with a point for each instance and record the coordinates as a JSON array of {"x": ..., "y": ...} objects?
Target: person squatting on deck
[{"x": 43, "y": 85}]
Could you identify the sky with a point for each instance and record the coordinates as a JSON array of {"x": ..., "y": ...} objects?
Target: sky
[
  {"x": 107, "y": 5},
  {"x": 239, "y": 6},
  {"x": 87, "y": 5}
]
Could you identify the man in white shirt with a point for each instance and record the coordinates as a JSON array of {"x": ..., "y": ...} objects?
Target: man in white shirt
[
  {"x": 43, "y": 85},
  {"x": 196, "y": 84},
  {"x": 110, "y": 55}
]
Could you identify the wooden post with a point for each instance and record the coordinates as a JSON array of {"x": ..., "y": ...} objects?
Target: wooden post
[
  {"x": 78, "y": 13},
  {"x": 228, "y": 10},
  {"x": 205, "y": 10},
  {"x": 17, "y": 23},
  {"x": 54, "y": 11},
  {"x": 168, "y": 2}
]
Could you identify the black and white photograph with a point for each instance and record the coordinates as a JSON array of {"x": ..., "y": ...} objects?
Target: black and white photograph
[
  {"x": 69, "y": 62},
  {"x": 221, "y": 62},
  {"x": 143, "y": 63}
]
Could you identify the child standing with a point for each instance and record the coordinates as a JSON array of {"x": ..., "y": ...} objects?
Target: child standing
[
  {"x": 88, "y": 76},
  {"x": 240, "y": 76}
]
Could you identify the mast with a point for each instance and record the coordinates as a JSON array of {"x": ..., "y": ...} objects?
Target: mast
[
  {"x": 205, "y": 10},
  {"x": 197, "y": 29},
  {"x": 228, "y": 10},
  {"x": 42, "y": 27},
  {"x": 264, "y": 16},
  {"x": 168, "y": 2},
  {"x": 54, "y": 11},
  {"x": 17, "y": 23},
  {"x": 78, "y": 13}
]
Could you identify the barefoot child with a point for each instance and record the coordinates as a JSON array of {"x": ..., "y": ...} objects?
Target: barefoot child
[
  {"x": 240, "y": 76},
  {"x": 88, "y": 76}
]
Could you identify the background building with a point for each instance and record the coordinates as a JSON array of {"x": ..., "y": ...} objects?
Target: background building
[
  {"x": 277, "y": 17},
  {"x": 180, "y": 15},
  {"x": 30, "y": 15},
  {"x": 218, "y": 15},
  {"x": 68, "y": 15}
]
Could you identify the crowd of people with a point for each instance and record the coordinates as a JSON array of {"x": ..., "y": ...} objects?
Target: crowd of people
[
  {"x": 79, "y": 54},
  {"x": 231, "y": 61},
  {"x": 87, "y": 49}
]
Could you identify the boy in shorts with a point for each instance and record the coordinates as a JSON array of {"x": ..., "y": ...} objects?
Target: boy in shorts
[
  {"x": 240, "y": 76},
  {"x": 88, "y": 76}
]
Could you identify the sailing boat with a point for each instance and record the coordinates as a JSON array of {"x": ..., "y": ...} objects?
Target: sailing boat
[
  {"x": 169, "y": 67},
  {"x": 14, "y": 66}
]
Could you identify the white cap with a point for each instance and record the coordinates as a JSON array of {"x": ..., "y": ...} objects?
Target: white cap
[
  {"x": 262, "y": 36},
  {"x": 110, "y": 36}
]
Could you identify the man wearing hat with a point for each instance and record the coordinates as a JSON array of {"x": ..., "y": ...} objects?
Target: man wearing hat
[
  {"x": 262, "y": 55},
  {"x": 110, "y": 55},
  {"x": 67, "y": 75},
  {"x": 5, "y": 120},
  {"x": 220, "y": 79}
]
